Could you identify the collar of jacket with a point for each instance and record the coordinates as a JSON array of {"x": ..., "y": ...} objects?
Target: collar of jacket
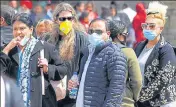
[
  {"x": 159, "y": 45},
  {"x": 119, "y": 44},
  {"x": 14, "y": 51},
  {"x": 102, "y": 46},
  {"x": 98, "y": 48}
]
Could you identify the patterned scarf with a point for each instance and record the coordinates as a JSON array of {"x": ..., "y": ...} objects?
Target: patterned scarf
[{"x": 24, "y": 73}]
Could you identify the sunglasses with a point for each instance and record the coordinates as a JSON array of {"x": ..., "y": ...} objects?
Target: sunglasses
[
  {"x": 65, "y": 18},
  {"x": 150, "y": 25},
  {"x": 148, "y": 13},
  {"x": 91, "y": 31},
  {"x": 124, "y": 34}
]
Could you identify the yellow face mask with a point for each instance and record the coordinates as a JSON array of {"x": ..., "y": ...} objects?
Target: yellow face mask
[{"x": 65, "y": 27}]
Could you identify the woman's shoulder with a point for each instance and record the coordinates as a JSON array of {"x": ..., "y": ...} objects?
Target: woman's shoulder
[
  {"x": 167, "y": 48},
  {"x": 48, "y": 45},
  {"x": 129, "y": 53},
  {"x": 80, "y": 33},
  {"x": 82, "y": 37}
]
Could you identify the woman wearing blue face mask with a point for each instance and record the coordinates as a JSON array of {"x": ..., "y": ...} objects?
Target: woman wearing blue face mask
[{"x": 157, "y": 61}]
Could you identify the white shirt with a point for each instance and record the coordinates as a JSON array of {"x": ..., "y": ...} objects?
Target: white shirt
[
  {"x": 143, "y": 59},
  {"x": 130, "y": 12}
]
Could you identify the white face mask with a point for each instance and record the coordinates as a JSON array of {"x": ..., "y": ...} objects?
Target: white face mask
[{"x": 24, "y": 41}]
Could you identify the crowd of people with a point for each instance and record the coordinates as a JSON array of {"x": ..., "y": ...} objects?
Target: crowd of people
[{"x": 120, "y": 57}]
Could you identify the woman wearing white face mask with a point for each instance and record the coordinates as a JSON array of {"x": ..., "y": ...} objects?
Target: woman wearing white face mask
[
  {"x": 157, "y": 61},
  {"x": 27, "y": 66}
]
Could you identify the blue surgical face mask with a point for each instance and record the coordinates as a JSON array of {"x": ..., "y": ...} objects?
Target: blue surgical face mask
[
  {"x": 95, "y": 39},
  {"x": 149, "y": 34}
]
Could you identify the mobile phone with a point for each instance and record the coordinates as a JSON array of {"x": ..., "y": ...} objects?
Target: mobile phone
[{"x": 24, "y": 41}]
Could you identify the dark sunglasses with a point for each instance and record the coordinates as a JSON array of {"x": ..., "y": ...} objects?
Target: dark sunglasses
[
  {"x": 151, "y": 25},
  {"x": 65, "y": 18},
  {"x": 91, "y": 31}
]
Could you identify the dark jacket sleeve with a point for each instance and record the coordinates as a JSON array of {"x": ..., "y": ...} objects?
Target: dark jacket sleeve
[
  {"x": 56, "y": 68},
  {"x": 13, "y": 96},
  {"x": 5, "y": 62},
  {"x": 116, "y": 69},
  {"x": 166, "y": 71}
]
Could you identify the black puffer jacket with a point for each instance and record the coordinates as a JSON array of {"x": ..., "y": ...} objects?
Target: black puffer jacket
[{"x": 105, "y": 77}]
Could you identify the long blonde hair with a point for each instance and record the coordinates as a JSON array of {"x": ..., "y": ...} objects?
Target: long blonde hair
[{"x": 66, "y": 48}]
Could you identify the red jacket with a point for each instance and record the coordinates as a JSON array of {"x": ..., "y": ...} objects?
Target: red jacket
[{"x": 138, "y": 19}]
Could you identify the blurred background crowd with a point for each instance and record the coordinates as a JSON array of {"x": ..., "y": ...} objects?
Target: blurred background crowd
[
  {"x": 69, "y": 27},
  {"x": 130, "y": 12}
]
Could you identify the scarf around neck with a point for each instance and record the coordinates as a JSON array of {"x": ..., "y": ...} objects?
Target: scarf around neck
[{"x": 24, "y": 73}]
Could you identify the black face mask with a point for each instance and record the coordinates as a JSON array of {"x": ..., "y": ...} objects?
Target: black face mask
[{"x": 123, "y": 42}]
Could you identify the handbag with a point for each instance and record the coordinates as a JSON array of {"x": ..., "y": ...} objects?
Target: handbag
[{"x": 60, "y": 88}]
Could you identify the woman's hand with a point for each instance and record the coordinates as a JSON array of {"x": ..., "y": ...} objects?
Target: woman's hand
[
  {"x": 14, "y": 42},
  {"x": 43, "y": 63}
]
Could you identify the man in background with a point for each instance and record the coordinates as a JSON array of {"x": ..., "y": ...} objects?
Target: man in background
[
  {"x": 14, "y": 4},
  {"x": 7, "y": 14},
  {"x": 130, "y": 12}
]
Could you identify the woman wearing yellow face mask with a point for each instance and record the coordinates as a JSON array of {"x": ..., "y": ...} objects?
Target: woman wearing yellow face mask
[
  {"x": 70, "y": 39},
  {"x": 157, "y": 61}
]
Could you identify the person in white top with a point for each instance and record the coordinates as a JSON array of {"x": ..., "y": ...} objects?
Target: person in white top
[{"x": 129, "y": 11}]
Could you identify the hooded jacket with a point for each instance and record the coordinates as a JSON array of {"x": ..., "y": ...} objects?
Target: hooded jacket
[{"x": 138, "y": 20}]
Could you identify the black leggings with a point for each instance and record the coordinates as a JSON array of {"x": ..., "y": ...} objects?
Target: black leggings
[{"x": 67, "y": 102}]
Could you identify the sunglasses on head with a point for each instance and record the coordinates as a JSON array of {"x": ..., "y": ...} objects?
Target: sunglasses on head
[
  {"x": 150, "y": 25},
  {"x": 65, "y": 18},
  {"x": 91, "y": 31}
]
